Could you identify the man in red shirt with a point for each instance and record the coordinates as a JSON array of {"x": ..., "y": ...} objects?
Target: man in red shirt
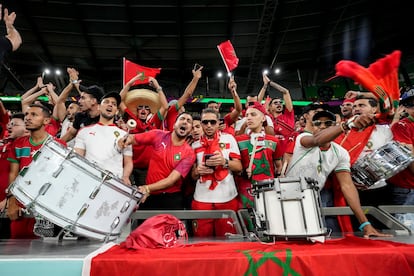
[
  {"x": 402, "y": 188},
  {"x": 171, "y": 160},
  {"x": 21, "y": 155}
]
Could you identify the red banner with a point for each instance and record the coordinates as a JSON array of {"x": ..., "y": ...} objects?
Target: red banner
[
  {"x": 348, "y": 256},
  {"x": 132, "y": 69},
  {"x": 228, "y": 55}
]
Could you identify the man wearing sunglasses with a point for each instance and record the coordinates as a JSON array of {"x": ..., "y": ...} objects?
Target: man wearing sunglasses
[
  {"x": 316, "y": 156},
  {"x": 218, "y": 158},
  {"x": 402, "y": 188}
]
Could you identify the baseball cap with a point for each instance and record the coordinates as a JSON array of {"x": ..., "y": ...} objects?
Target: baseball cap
[
  {"x": 113, "y": 95},
  {"x": 324, "y": 113},
  {"x": 407, "y": 96},
  {"x": 93, "y": 90},
  {"x": 314, "y": 106}
]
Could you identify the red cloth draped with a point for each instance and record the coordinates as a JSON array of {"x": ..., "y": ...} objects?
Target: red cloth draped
[
  {"x": 346, "y": 256},
  {"x": 354, "y": 142},
  {"x": 210, "y": 146}
]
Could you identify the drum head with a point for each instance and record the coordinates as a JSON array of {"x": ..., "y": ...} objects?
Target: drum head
[{"x": 137, "y": 97}]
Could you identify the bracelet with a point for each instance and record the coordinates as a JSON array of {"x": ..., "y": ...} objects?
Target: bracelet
[
  {"x": 147, "y": 190},
  {"x": 159, "y": 89},
  {"x": 226, "y": 163},
  {"x": 361, "y": 227},
  {"x": 74, "y": 81}
]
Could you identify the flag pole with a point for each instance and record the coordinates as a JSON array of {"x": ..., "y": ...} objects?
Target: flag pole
[{"x": 123, "y": 71}]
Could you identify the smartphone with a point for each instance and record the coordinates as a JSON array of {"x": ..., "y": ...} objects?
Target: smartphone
[{"x": 206, "y": 157}]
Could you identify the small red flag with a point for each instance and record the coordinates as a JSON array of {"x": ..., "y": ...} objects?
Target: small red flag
[
  {"x": 132, "y": 69},
  {"x": 228, "y": 55}
]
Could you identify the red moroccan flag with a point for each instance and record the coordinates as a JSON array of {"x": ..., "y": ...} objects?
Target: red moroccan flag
[
  {"x": 132, "y": 69},
  {"x": 228, "y": 55}
]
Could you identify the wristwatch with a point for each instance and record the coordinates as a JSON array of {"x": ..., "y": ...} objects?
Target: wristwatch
[
  {"x": 226, "y": 164},
  {"x": 74, "y": 81}
]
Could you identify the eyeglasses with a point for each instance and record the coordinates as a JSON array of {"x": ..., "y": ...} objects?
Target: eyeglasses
[
  {"x": 327, "y": 123},
  {"x": 212, "y": 122},
  {"x": 146, "y": 107}
]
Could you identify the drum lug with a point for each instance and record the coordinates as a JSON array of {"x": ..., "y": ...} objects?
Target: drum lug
[
  {"x": 45, "y": 187},
  {"x": 115, "y": 223},
  {"x": 83, "y": 210},
  {"x": 57, "y": 172},
  {"x": 94, "y": 193},
  {"x": 125, "y": 207}
]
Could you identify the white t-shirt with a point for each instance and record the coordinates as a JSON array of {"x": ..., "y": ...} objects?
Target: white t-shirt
[
  {"x": 226, "y": 189},
  {"x": 317, "y": 163},
  {"x": 100, "y": 145}
]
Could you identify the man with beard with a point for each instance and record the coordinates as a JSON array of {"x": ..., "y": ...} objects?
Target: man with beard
[
  {"x": 98, "y": 142},
  {"x": 218, "y": 158},
  {"x": 36, "y": 118},
  {"x": 283, "y": 117},
  {"x": 89, "y": 107},
  {"x": 171, "y": 160}
]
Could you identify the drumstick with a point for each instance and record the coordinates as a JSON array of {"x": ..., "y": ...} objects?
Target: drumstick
[
  {"x": 131, "y": 124},
  {"x": 252, "y": 157}
]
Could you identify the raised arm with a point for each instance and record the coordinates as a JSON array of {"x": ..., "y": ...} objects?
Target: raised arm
[
  {"x": 234, "y": 114},
  {"x": 125, "y": 90},
  {"x": 189, "y": 90},
  {"x": 286, "y": 95},
  {"x": 59, "y": 110},
  {"x": 12, "y": 34}
]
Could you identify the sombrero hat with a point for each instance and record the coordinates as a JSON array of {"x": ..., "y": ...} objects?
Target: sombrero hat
[{"x": 137, "y": 97}]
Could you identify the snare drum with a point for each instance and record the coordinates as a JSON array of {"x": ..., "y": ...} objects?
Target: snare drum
[
  {"x": 74, "y": 193},
  {"x": 371, "y": 171},
  {"x": 289, "y": 207}
]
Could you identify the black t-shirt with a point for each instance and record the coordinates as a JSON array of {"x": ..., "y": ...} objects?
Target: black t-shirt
[
  {"x": 5, "y": 47},
  {"x": 84, "y": 119}
]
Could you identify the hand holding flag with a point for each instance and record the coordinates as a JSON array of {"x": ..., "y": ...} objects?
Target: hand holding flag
[{"x": 228, "y": 55}]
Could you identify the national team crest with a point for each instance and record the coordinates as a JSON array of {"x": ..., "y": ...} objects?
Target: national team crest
[
  {"x": 177, "y": 156},
  {"x": 116, "y": 133},
  {"x": 222, "y": 146}
]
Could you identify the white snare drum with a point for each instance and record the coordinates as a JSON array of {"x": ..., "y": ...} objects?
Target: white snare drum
[
  {"x": 372, "y": 170},
  {"x": 74, "y": 193},
  {"x": 289, "y": 207}
]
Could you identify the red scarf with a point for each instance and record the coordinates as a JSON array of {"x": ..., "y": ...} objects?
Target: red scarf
[
  {"x": 354, "y": 142},
  {"x": 210, "y": 146}
]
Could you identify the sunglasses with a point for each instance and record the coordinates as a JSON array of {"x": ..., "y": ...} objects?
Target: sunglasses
[
  {"x": 146, "y": 107},
  {"x": 327, "y": 123},
  {"x": 212, "y": 122}
]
